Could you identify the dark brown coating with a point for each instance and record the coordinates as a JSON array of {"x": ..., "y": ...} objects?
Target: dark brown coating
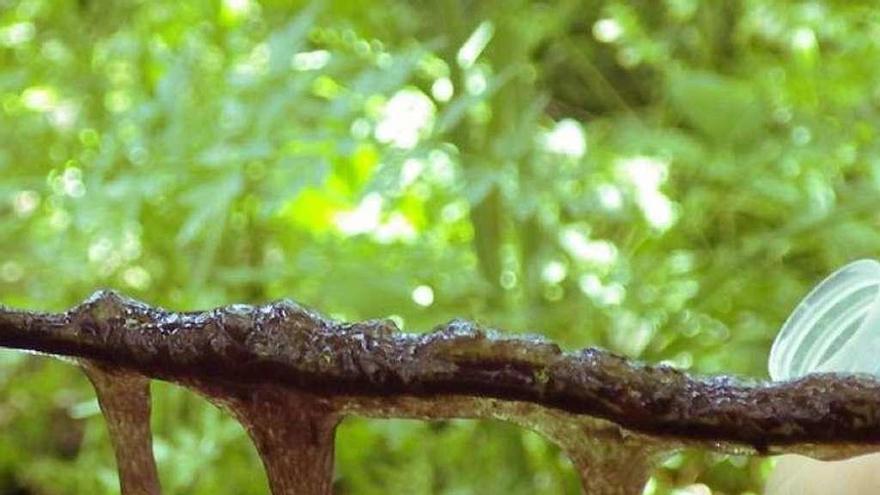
[{"x": 283, "y": 343}]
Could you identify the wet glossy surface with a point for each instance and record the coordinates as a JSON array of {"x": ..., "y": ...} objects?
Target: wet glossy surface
[{"x": 286, "y": 344}]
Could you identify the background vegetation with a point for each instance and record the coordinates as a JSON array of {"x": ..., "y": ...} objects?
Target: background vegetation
[{"x": 661, "y": 178}]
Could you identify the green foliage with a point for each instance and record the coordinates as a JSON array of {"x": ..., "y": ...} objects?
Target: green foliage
[{"x": 664, "y": 179}]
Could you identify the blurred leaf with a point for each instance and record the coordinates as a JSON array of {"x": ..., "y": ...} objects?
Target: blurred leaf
[{"x": 726, "y": 110}]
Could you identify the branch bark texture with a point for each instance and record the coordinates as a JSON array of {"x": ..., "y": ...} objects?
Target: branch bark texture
[{"x": 289, "y": 367}]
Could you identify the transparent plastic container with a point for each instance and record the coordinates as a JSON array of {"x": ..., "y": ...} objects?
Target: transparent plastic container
[{"x": 835, "y": 328}]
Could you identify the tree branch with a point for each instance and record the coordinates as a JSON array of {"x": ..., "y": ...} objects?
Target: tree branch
[
  {"x": 294, "y": 433},
  {"x": 289, "y": 364},
  {"x": 124, "y": 398}
]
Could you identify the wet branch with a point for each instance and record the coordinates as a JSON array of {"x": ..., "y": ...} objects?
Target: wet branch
[{"x": 298, "y": 372}]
